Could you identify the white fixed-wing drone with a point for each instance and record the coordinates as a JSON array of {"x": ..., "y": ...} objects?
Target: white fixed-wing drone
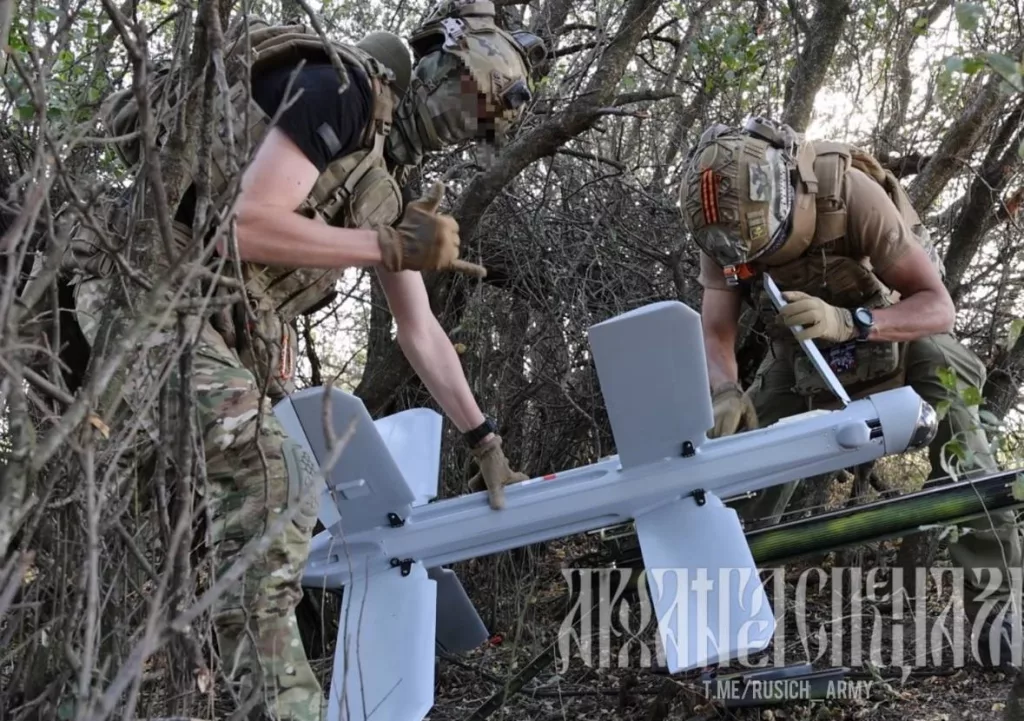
[{"x": 386, "y": 543}]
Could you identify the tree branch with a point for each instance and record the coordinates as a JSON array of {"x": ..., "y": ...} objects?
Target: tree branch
[
  {"x": 591, "y": 156},
  {"x": 808, "y": 74},
  {"x": 545, "y": 139},
  {"x": 982, "y": 198},
  {"x": 910, "y": 164},
  {"x": 959, "y": 142},
  {"x": 644, "y": 96},
  {"x": 896, "y": 101}
]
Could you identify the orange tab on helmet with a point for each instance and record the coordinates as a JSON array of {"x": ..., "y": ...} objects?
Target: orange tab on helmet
[{"x": 709, "y": 195}]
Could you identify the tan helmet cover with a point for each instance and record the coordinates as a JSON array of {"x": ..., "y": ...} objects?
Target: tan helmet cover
[
  {"x": 739, "y": 201},
  {"x": 497, "y": 63},
  {"x": 388, "y": 49}
]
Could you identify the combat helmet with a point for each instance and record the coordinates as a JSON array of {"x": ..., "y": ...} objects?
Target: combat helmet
[
  {"x": 387, "y": 49},
  {"x": 740, "y": 194},
  {"x": 460, "y": 40}
]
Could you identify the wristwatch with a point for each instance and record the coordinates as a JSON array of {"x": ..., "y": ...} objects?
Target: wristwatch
[
  {"x": 863, "y": 321},
  {"x": 474, "y": 436}
]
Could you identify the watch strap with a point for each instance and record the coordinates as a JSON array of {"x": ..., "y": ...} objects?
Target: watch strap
[
  {"x": 863, "y": 329},
  {"x": 474, "y": 436}
]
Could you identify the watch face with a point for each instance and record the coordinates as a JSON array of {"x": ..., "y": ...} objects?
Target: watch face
[{"x": 863, "y": 317}]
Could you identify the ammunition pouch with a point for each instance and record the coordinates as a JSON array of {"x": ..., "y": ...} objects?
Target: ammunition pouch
[{"x": 376, "y": 200}]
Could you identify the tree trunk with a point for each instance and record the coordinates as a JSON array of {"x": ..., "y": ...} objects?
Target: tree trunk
[{"x": 808, "y": 74}]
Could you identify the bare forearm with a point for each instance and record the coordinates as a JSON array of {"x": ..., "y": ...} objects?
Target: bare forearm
[
  {"x": 920, "y": 315},
  {"x": 721, "y": 358},
  {"x": 719, "y": 322},
  {"x": 434, "y": 359},
  {"x": 276, "y": 237}
]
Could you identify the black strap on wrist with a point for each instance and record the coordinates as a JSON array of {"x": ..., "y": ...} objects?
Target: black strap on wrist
[{"x": 474, "y": 436}]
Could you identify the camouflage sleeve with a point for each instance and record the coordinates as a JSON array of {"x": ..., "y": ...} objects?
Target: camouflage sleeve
[
  {"x": 874, "y": 224},
  {"x": 711, "y": 275}
]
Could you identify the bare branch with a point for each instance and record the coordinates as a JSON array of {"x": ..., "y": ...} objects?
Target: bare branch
[
  {"x": 959, "y": 142},
  {"x": 644, "y": 96},
  {"x": 590, "y": 156},
  {"x": 545, "y": 139}
]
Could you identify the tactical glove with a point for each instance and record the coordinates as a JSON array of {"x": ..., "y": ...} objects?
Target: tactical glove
[
  {"x": 424, "y": 239},
  {"x": 494, "y": 473},
  {"x": 733, "y": 410},
  {"x": 818, "y": 318}
]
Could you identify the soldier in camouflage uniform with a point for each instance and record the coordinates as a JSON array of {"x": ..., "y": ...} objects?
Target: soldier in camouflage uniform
[
  {"x": 318, "y": 196},
  {"x": 839, "y": 237}
]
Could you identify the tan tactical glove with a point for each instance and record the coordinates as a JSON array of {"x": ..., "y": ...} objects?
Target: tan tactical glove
[
  {"x": 494, "y": 473},
  {"x": 819, "y": 319},
  {"x": 733, "y": 410},
  {"x": 424, "y": 239}
]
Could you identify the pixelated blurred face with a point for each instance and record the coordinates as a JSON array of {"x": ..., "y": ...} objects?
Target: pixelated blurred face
[{"x": 480, "y": 110}]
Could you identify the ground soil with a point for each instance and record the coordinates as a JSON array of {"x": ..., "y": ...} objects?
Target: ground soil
[{"x": 938, "y": 691}]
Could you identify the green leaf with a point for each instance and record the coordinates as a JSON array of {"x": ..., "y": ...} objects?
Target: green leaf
[
  {"x": 628, "y": 81},
  {"x": 954, "y": 64},
  {"x": 1018, "y": 487},
  {"x": 944, "y": 461},
  {"x": 957, "y": 450},
  {"x": 942, "y": 408},
  {"x": 1007, "y": 67},
  {"x": 968, "y": 15},
  {"x": 66, "y": 710},
  {"x": 989, "y": 418},
  {"x": 947, "y": 377},
  {"x": 973, "y": 65},
  {"x": 971, "y": 396},
  {"x": 921, "y": 26},
  {"x": 1017, "y": 324},
  {"x": 1020, "y": 150}
]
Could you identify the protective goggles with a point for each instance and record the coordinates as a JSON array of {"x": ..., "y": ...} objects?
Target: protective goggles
[{"x": 534, "y": 48}]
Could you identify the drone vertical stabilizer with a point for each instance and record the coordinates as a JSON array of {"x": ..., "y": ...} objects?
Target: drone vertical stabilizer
[
  {"x": 705, "y": 589},
  {"x": 459, "y": 627},
  {"x": 365, "y": 483},
  {"x": 384, "y": 658},
  {"x": 708, "y": 599},
  {"x": 654, "y": 380}
]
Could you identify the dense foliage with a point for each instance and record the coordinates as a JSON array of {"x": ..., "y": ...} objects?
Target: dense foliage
[{"x": 103, "y": 589}]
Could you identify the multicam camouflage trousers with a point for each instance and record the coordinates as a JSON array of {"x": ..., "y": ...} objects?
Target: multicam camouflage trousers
[
  {"x": 988, "y": 546},
  {"x": 259, "y": 487}
]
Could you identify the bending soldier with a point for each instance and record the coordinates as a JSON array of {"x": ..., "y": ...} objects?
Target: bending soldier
[
  {"x": 839, "y": 237},
  {"x": 318, "y": 196}
]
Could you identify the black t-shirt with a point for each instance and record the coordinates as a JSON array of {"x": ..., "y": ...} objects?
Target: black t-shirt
[{"x": 324, "y": 123}]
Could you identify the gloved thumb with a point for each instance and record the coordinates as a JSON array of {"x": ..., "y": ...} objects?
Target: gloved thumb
[{"x": 433, "y": 197}]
